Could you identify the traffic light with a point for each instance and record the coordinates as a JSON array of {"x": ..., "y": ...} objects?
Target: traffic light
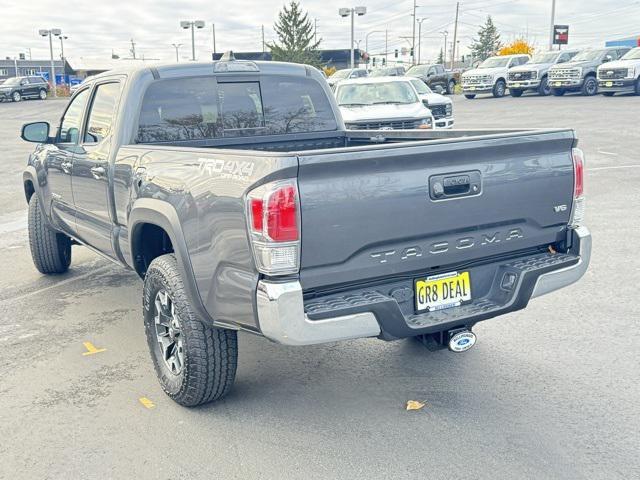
[
  {"x": 395, "y": 53},
  {"x": 384, "y": 62},
  {"x": 373, "y": 61},
  {"x": 411, "y": 52}
]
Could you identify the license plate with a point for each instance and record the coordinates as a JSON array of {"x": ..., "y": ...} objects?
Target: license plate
[
  {"x": 557, "y": 84},
  {"x": 472, "y": 88},
  {"x": 442, "y": 291},
  {"x": 609, "y": 84},
  {"x": 516, "y": 85}
]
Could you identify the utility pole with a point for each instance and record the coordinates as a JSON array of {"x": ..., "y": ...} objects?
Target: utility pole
[
  {"x": 213, "y": 32},
  {"x": 386, "y": 47},
  {"x": 413, "y": 35},
  {"x": 553, "y": 20},
  {"x": 455, "y": 35},
  {"x": 263, "y": 49},
  {"x": 133, "y": 49}
]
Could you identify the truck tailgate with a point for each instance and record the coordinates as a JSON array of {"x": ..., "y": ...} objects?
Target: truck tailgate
[{"x": 400, "y": 209}]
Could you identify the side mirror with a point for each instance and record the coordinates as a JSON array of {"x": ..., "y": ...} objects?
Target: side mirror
[
  {"x": 607, "y": 58},
  {"x": 37, "y": 132}
]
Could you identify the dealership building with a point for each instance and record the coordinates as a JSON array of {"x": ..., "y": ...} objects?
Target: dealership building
[{"x": 624, "y": 42}]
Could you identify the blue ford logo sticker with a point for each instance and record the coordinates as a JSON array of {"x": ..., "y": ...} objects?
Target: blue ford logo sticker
[{"x": 462, "y": 341}]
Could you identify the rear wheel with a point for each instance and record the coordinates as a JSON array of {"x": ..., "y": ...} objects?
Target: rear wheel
[
  {"x": 470, "y": 96},
  {"x": 590, "y": 86},
  {"x": 514, "y": 92},
  {"x": 499, "y": 89},
  {"x": 195, "y": 363},
  {"x": 50, "y": 250},
  {"x": 43, "y": 94},
  {"x": 16, "y": 97},
  {"x": 451, "y": 87},
  {"x": 544, "y": 89},
  {"x": 557, "y": 92}
]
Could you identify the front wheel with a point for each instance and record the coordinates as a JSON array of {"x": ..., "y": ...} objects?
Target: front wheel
[
  {"x": 499, "y": 89},
  {"x": 590, "y": 86},
  {"x": 451, "y": 86},
  {"x": 514, "y": 92},
  {"x": 43, "y": 94},
  {"x": 470, "y": 96},
  {"x": 16, "y": 97},
  {"x": 50, "y": 250},
  {"x": 195, "y": 363},
  {"x": 544, "y": 89}
]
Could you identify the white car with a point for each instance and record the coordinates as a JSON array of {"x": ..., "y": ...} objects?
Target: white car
[
  {"x": 346, "y": 74},
  {"x": 440, "y": 106},
  {"x": 621, "y": 76},
  {"x": 382, "y": 103},
  {"x": 491, "y": 75}
]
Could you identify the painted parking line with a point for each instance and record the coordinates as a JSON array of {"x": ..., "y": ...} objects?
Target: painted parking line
[
  {"x": 611, "y": 167},
  {"x": 91, "y": 349},
  {"x": 146, "y": 403}
]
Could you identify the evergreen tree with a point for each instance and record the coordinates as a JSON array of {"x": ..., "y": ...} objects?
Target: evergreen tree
[
  {"x": 441, "y": 57},
  {"x": 296, "y": 41},
  {"x": 488, "y": 42}
]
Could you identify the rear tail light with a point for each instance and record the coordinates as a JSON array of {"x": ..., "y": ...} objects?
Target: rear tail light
[
  {"x": 577, "y": 212},
  {"x": 273, "y": 214}
]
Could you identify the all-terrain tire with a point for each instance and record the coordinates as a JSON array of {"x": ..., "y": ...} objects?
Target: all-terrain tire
[
  {"x": 544, "y": 89},
  {"x": 210, "y": 355},
  {"x": 589, "y": 87},
  {"x": 50, "y": 250},
  {"x": 451, "y": 87}
]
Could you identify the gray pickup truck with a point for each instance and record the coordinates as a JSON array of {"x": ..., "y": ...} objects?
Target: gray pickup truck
[{"x": 234, "y": 191}]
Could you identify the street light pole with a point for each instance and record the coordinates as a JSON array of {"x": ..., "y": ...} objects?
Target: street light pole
[
  {"x": 553, "y": 20},
  {"x": 444, "y": 52},
  {"x": 193, "y": 24},
  {"x": 50, "y": 33},
  {"x": 345, "y": 12},
  {"x": 420, "y": 20},
  {"x": 213, "y": 31},
  {"x": 177, "y": 47}
]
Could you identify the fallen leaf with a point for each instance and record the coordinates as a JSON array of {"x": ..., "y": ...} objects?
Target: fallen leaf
[{"x": 414, "y": 405}]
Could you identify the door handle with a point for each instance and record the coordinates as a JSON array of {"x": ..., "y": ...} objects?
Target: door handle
[
  {"x": 66, "y": 166},
  {"x": 98, "y": 172}
]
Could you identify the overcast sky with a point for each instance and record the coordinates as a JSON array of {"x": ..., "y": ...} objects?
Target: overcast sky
[{"x": 95, "y": 29}]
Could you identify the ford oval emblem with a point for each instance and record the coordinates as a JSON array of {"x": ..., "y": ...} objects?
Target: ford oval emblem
[{"x": 462, "y": 341}]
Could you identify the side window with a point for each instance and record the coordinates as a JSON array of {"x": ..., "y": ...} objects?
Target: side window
[
  {"x": 103, "y": 108},
  {"x": 432, "y": 71},
  {"x": 565, "y": 57},
  {"x": 69, "y": 131},
  {"x": 439, "y": 69}
]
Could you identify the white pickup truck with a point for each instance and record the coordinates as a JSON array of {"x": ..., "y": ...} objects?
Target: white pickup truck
[
  {"x": 491, "y": 75},
  {"x": 621, "y": 76}
]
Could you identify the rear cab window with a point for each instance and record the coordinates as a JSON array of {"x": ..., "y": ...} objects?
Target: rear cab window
[{"x": 209, "y": 107}]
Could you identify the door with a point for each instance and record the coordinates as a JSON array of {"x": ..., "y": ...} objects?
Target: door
[
  {"x": 90, "y": 181},
  {"x": 58, "y": 164},
  {"x": 441, "y": 76},
  {"x": 432, "y": 79}
]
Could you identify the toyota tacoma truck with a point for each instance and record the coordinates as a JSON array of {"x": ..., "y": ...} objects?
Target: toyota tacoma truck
[
  {"x": 622, "y": 76},
  {"x": 491, "y": 75},
  {"x": 235, "y": 192},
  {"x": 579, "y": 75},
  {"x": 534, "y": 74}
]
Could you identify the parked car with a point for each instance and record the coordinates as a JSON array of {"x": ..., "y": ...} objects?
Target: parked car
[
  {"x": 621, "y": 76},
  {"x": 237, "y": 195},
  {"x": 440, "y": 106},
  {"x": 346, "y": 74},
  {"x": 491, "y": 75},
  {"x": 397, "y": 71},
  {"x": 389, "y": 103},
  {"x": 18, "y": 88},
  {"x": 533, "y": 74},
  {"x": 579, "y": 75},
  {"x": 435, "y": 76}
]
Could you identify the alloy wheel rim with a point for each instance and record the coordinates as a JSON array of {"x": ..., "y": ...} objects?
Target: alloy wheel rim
[{"x": 169, "y": 332}]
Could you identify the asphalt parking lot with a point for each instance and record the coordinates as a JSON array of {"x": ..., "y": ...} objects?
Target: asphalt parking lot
[{"x": 550, "y": 392}]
